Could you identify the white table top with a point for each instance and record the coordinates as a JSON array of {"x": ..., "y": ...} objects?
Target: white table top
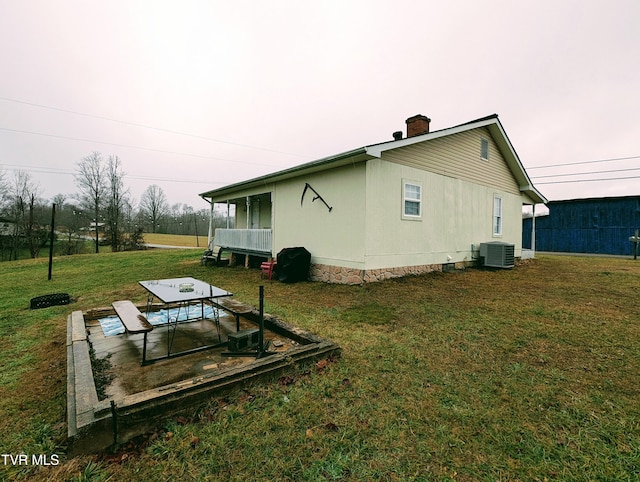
[{"x": 175, "y": 290}]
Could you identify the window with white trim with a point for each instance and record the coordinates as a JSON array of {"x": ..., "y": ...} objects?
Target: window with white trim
[
  {"x": 484, "y": 149},
  {"x": 497, "y": 215},
  {"x": 411, "y": 200}
]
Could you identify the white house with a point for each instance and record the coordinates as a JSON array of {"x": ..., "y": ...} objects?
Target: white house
[
  {"x": 7, "y": 227},
  {"x": 410, "y": 205}
]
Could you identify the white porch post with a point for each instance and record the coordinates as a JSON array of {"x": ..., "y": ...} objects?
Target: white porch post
[
  {"x": 228, "y": 223},
  {"x": 246, "y": 258},
  {"x": 248, "y": 212},
  {"x": 210, "y": 234},
  {"x": 533, "y": 231}
]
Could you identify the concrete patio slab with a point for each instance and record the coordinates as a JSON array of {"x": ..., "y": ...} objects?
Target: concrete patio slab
[{"x": 139, "y": 398}]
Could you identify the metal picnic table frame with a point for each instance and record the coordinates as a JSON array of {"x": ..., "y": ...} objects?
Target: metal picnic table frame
[{"x": 182, "y": 292}]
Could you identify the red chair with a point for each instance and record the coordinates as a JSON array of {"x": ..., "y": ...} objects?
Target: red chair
[{"x": 267, "y": 268}]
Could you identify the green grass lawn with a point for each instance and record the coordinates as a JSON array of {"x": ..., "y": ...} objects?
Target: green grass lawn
[
  {"x": 176, "y": 240},
  {"x": 524, "y": 374}
]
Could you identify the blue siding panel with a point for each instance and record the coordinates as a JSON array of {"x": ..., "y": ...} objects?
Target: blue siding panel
[{"x": 599, "y": 226}]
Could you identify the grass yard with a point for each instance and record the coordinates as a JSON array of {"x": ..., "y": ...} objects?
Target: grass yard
[
  {"x": 524, "y": 374},
  {"x": 176, "y": 240}
]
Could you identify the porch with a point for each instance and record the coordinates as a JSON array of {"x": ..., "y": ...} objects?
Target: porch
[{"x": 245, "y": 241}]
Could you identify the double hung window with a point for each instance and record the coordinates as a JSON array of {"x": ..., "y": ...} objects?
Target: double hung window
[
  {"x": 497, "y": 215},
  {"x": 411, "y": 200}
]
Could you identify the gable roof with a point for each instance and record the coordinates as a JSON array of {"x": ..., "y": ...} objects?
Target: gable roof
[{"x": 492, "y": 123}]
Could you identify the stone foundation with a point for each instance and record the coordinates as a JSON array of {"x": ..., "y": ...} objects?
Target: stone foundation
[
  {"x": 386, "y": 273},
  {"x": 351, "y": 276},
  {"x": 336, "y": 274}
]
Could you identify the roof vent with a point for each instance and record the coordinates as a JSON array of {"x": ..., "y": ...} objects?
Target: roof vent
[{"x": 397, "y": 135}]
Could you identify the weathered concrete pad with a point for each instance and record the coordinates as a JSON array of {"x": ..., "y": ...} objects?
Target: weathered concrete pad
[{"x": 96, "y": 425}]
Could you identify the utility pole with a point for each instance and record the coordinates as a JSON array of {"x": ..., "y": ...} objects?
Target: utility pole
[
  {"x": 195, "y": 221},
  {"x": 53, "y": 222},
  {"x": 635, "y": 240}
]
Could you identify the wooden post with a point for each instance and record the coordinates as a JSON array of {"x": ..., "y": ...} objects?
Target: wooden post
[
  {"x": 53, "y": 222},
  {"x": 195, "y": 222},
  {"x": 635, "y": 240},
  {"x": 261, "y": 334}
]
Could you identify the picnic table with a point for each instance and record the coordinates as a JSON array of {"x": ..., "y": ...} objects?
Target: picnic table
[{"x": 180, "y": 292}]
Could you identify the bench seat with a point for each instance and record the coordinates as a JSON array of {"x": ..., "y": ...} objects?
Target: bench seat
[
  {"x": 233, "y": 306},
  {"x": 132, "y": 319},
  {"x": 236, "y": 308}
]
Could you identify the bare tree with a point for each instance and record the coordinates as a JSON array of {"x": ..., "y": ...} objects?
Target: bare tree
[
  {"x": 21, "y": 203},
  {"x": 34, "y": 229},
  {"x": 134, "y": 238},
  {"x": 153, "y": 204},
  {"x": 60, "y": 199},
  {"x": 90, "y": 180},
  {"x": 3, "y": 188},
  {"x": 70, "y": 222},
  {"x": 117, "y": 201}
]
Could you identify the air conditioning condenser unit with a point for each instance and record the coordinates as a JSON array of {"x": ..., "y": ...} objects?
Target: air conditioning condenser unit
[{"x": 497, "y": 254}]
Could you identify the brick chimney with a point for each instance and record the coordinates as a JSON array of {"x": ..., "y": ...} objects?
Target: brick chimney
[{"x": 418, "y": 124}]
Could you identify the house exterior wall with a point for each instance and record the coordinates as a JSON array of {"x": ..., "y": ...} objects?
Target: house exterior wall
[
  {"x": 260, "y": 212},
  {"x": 365, "y": 236},
  {"x": 240, "y": 221},
  {"x": 456, "y": 215},
  {"x": 458, "y": 156},
  {"x": 265, "y": 214},
  {"x": 7, "y": 228},
  {"x": 333, "y": 238},
  {"x": 260, "y": 197}
]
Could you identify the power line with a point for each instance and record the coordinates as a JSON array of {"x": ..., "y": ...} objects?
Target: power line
[
  {"x": 160, "y": 129},
  {"x": 46, "y": 170},
  {"x": 195, "y": 136},
  {"x": 53, "y": 170},
  {"x": 135, "y": 147},
  {"x": 589, "y": 180},
  {"x": 585, "y": 173},
  {"x": 584, "y": 162}
]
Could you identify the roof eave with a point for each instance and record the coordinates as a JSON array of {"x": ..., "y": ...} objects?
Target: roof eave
[
  {"x": 375, "y": 151},
  {"x": 350, "y": 157},
  {"x": 535, "y": 195},
  {"x": 513, "y": 160}
]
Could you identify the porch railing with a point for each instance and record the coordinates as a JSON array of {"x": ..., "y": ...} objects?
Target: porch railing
[{"x": 251, "y": 240}]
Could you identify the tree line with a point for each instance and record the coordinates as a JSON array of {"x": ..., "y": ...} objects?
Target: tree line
[{"x": 101, "y": 213}]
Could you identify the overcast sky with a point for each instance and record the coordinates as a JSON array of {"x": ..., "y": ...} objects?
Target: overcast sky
[{"x": 193, "y": 95}]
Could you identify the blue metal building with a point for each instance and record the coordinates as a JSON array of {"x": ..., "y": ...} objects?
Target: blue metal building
[{"x": 595, "y": 225}]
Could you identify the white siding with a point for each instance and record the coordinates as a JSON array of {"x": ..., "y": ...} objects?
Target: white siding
[
  {"x": 333, "y": 238},
  {"x": 456, "y": 214}
]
